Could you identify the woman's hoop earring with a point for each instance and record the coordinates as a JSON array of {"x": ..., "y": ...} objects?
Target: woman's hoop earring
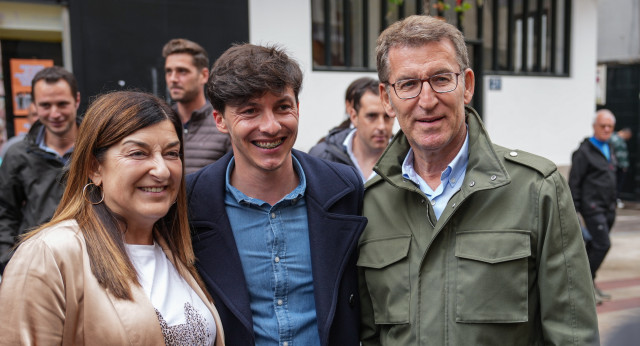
[{"x": 84, "y": 193}]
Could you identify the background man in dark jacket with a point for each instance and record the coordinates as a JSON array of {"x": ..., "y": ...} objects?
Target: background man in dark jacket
[
  {"x": 186, "y": 72},
  {"x": 30, "y": 186},
  {"x": 362, "y": 145},
  {"x": 274, "y": 229},
  {"x": 592, "y": 180}
]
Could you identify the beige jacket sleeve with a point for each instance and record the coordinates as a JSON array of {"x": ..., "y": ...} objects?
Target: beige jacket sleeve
[
  {"x": 49, "y": 296},
  {"x": 35, "y": 294}
]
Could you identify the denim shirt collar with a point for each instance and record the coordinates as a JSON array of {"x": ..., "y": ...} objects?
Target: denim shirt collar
[{"x": 241, "y": 197}]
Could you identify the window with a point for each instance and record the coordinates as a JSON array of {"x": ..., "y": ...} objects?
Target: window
[
  {"x": 528, "y": 37},
  {"x": 344, "y": 32},
  {"x": 525, "y": 37}
]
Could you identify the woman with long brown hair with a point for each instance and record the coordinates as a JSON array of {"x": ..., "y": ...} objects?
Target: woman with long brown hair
[{"x": 115, "y": 264}]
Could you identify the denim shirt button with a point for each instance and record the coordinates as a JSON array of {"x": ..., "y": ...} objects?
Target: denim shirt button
[{"x": 352, "y": 301}]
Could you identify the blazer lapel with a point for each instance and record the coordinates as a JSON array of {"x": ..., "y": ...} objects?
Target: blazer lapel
[
  {"x": 218, "y": 261},
  {"x": 332, "y": 241},
  {"x": 332, "y": 237},
  {"x": 136, "y": 313}
]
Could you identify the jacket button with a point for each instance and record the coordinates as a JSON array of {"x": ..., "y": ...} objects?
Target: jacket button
[
  {"x": 493, "y": 177},
  {"x": 352, "y": 301},
  {"x": 513, "y": 154}
]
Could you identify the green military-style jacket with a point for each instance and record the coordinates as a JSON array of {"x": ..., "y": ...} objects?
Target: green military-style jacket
[{"x": 505, "y": 263}]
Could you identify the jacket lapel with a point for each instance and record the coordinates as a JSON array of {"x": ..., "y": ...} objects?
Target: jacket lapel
[
  {"x": 136, "y": 313},
  {"x": 218, "y": 261},
  {"x": 332, "y": 237}
]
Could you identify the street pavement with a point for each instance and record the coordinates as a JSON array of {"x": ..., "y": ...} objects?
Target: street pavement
[{"x": 619, "y": 275}]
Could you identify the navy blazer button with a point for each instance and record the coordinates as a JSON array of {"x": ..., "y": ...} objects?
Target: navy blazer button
[{"x": 352, "y": 300}]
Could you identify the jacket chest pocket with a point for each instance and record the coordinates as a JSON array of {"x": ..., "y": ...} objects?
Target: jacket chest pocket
[
  {"x": 385, "y": 264},
  {"x": 492, "y": 276}
]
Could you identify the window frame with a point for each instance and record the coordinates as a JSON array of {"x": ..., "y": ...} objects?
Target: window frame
[{"x": 481, "y": 43}]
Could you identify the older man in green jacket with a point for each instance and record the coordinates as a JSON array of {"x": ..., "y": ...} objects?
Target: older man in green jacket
[{"x": 468, "y": 243}]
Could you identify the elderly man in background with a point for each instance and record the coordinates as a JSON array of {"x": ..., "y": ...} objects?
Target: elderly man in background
[{"x": 593, "y": 185}]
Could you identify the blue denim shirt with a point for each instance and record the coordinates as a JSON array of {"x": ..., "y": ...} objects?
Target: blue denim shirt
[
  {"x": 450, "y": 179},
  {"x": 273, "y": 243}
]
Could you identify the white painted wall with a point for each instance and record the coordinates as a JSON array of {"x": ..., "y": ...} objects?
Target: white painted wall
[
  {"x": 544, "y": 115},
  {"x": 549, "y": 116}
]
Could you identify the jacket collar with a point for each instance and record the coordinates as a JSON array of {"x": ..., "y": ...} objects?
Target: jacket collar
[{"x": 485, "y": 170}]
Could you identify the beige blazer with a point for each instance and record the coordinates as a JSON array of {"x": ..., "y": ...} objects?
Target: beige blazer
[{"x": 49, "y": 296}]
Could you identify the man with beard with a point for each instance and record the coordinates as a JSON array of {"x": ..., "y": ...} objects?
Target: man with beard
[
  {"x": 592, "y": 180},
  {"x": 186, "y": 73}
]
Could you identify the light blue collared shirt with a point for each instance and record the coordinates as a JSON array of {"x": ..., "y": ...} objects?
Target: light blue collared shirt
[
  {"x": 273, "y": 243},
  {"x": 450, "y": 179},
  {"x": 42, "y": 145}
]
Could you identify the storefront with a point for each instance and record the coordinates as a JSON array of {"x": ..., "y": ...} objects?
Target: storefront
[{"x": 32, "y": 36}]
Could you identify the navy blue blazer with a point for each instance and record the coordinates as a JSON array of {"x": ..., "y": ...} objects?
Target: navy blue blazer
[{"x": 334, "y": 204}]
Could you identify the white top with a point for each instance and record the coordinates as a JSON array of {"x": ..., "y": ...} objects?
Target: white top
[{"x": 184, "y": 318}]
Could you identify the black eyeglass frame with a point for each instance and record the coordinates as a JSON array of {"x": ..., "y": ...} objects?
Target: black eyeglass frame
[{"x": 428, "y": 80}]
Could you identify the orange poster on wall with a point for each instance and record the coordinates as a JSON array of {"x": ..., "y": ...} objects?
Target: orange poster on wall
[{"x": 22, "y": 72}]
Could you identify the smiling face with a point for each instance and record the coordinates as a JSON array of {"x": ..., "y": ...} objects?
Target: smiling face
[
  {"x": 141, "y": 175},
  {"x": 374, "y": 126},
  {"x": 56, "y": 107},
  {"x": 184, "y": 80},
  {"x": 434, "y": 123},
  {"x": 263, "y": 131}
]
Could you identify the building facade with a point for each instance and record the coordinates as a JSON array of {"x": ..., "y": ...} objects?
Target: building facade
[{"x": 535, "y": 60}]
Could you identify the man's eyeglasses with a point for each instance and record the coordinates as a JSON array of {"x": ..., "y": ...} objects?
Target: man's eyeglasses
[{"x": 440, "y": 83}]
